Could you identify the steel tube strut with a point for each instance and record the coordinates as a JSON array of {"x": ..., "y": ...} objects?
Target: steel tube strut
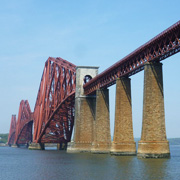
[
  {"x": 54, "y": 109},
  {"x": 23, "y": 134},
  {"x": 12, "y": 131}
]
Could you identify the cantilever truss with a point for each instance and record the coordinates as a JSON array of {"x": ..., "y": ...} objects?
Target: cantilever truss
[
  {"x": 159, "y": 48},
  {"x": 12, "y": 131},
  {"x": 54, "y": 108},
  {"x": 24, "y": 124}
]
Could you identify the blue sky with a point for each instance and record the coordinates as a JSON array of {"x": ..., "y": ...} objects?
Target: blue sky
[{"x": 91, "y": 33}]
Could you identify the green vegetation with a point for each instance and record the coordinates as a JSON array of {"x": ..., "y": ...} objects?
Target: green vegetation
[{"x": 3, "y": 138}]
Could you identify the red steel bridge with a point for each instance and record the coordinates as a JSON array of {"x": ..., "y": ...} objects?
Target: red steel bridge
[{"x": 53, "y": 116}]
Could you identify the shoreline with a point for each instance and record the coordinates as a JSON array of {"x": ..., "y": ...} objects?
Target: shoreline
[{"x": 3, "y": 145}]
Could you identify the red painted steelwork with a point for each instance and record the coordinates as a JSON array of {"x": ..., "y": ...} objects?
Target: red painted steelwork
[
  {"x": 24, "y": 123},
  {"x": 54, "y": 108},
  {"x": 12, "y": 131},
  {"x": 159, "y": 48}
]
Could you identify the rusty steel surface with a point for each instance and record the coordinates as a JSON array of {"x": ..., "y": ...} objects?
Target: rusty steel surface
[
  {"x": 159, "y": 48},
  {"x": 24, "y": 123},
  {"x": 12, "y": 131},
  {"x": 54, "y": 108}
]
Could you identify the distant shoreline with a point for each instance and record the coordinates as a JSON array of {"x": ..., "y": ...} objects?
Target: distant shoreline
[
  {"x": 172, "y": 141},
  {"x": 3, "y": 145}
]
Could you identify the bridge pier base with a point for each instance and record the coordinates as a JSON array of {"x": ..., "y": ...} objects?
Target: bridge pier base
[
  {"x": 36, "y": 146},
  {"x": 84, "y": 113},
  {"x": 14, "y": 146},
  {"x": 84, "y": 116},
  {"x": 102, "y": 137},
  {"x": 123, "y": 140},
  {"x": 61, "y": 146},
  {"x": 153, "y": 143}
]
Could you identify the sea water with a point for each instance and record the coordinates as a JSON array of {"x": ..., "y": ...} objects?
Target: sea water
[{"x": 24, "y": 164}]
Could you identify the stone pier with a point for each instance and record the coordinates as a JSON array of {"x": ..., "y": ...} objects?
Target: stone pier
[
  {"x": 123, "y": 140},
  {"x": 102, "y": 137},
  {"x": 14, "y": 146},
  {"x": 36, "y": 146},
  {"x": 84, "y": 112},
  {"x": 153, "y": 143}
]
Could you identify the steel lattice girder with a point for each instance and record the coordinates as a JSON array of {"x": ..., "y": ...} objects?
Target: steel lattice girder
[
  {"x": 24, "y": 124},
  {"x": 53, "y": 120},
  {"x": 159, "y": 48},
  {"x": 12, "y": 130}
]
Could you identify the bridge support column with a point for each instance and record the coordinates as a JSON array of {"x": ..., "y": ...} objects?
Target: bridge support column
[
  {"x": 102, "y": 137},
  {"x": 84, "y": 113},
  {"x": 123, "y": 140},
  {"x": 36, "y": 146},
  {"x": 153, "y": 143}
]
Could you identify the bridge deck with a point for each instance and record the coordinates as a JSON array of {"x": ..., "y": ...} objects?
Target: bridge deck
[{"x": 160, "y": 47}]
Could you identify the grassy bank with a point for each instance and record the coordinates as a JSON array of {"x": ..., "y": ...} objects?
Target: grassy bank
[{"x": 3, "y": 138}]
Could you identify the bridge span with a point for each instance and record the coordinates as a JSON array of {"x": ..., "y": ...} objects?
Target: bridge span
[{"x": 77, "y": 97}]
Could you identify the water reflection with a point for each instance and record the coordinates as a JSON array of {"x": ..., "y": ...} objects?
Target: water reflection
[
  {"x": 53, "y": 165},
  {"x": 153, "y": 168},
  {"x": 125, "y": 166}
]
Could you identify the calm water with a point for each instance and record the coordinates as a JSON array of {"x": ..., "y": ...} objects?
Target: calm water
[{"x": 23, "y": 164}]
